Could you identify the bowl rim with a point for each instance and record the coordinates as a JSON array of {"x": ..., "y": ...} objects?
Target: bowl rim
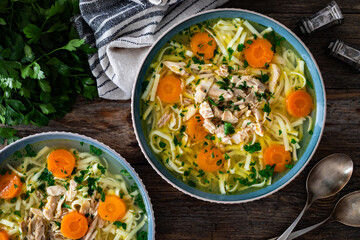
[
  {"x": 62, "y": 135},
  {"x": 321, "y": 120}
]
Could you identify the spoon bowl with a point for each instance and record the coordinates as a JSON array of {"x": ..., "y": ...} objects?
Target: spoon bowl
[
  {"x": 329, "y": 176},
  {"x": 347, "y": 210}
]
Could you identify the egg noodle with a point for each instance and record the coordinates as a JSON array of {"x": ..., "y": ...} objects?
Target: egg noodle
[
  {"x": 242, "y": 166},
  {"x": 92, "y": 181}
]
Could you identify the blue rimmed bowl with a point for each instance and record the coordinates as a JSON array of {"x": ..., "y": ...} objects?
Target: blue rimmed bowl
[
  {"x": 82, "y": 143},
  {"x": 309, "y": 142}
]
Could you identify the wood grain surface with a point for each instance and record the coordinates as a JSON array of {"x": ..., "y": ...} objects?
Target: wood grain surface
[{"x": 179, "y": 216}]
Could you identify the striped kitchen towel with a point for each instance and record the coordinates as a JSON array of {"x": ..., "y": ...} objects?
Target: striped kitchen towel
[{"x": 123, "y": 30}]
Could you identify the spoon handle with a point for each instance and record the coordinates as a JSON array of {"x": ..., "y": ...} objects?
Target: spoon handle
[
  {"x": 305, "y": 230},
  {"x": 286, "y": 234}
]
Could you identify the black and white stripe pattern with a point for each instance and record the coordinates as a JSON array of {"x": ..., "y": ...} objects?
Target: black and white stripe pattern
[{"x": 122, "y": 30}]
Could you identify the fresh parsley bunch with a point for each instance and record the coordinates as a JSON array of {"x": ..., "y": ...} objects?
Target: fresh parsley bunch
[{"x": 43, "y": 63}]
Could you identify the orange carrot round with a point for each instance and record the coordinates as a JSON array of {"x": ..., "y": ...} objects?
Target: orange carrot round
[
  {"x": 169, "y": 89},
  {"x": 61, "y": 163},
  {"x": 195, "y": 128},
  {"x": 74, "y": 225},
  {"x": 259, "y": 53},
  {"x": 10, "y": 185},
  {"x": 277, "y": 155},
  {"x": 299, "y": 103},
  {"x": 203, "y": 45},
  {"x": 4, "y": 235},
  {"x": 112, "y": 209},
  {"x": 210, "y": 159}
]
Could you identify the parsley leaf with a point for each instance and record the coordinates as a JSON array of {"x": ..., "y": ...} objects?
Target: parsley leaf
[
  {"x": 253, "y": 148},
  {"x": 229, "y": 128}
]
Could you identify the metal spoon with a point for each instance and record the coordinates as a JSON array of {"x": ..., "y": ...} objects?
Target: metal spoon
[
  {"x": 346, "y": 211},
  {"x": 326, "y": 178}
]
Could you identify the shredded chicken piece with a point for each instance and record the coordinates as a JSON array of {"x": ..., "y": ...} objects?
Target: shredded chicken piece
[
  {"x": 217, "y": 112},
  {"x": 220, "y": 133},
  {"x": 258, "y": 129},
  {"x": 191, "y": 111},
  {"x": 215, "y": 92},
  {"x": 274, "y": 76},
  {"x": 187, "y": 101},
  {"x": 202, "y": 89},
  {"x": 36, "y": 211},
  {"x": 164, "y": 119},
  {"x": 223, "y": 71},
  {"x": 71, "y": 193},
  {"x": 210, "y": 126},
  {"x": 205, "y": 110},
  {"x": 36, "y": 229},
  {"x": 240, "y": 136},
  {"x": 257, "y": 114},
  {"x": 56, "y": 190},
  {"x": 89, "y": 234},
  {"x": 59, "y": 207},
  {"x": 85, "y": 207},
  {"x": 227, "y": 116},
  {"x": 252, "y": 83},
  {"x": 50, "y": 207},
  {"x": 177, "y": 67}
]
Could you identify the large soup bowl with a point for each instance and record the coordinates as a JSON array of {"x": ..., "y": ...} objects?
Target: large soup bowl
[{"x": 308, "y": 144}]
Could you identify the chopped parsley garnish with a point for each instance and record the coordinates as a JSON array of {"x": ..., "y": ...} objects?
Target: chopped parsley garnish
[
  {"x": 280, "y": 132},
  {"x": 267, "y": 108},
  {"x": 289, "y": 165},
  {"x": 197, "y": 60},
  {"x": 246, "y": 64},
  {"x": 192, "y": 183},
  {"x": 46, "y": 176},
  {"x": 29, "y": 151},
  {"x": 119, "y": 224},
  {"x": 229, "y": 128},
  {"x": 94, "y": 150},
  {"x": 17, "y": 213},
  {"x": 64, "y": 205},
  {"x": 267, "y": 172},
  {"x": 212, "y": 102},
  {"x": 249, "y": 42},
  {"x": 311, "y": 132},
  {"x": 293, "y": 141},
  {"x": 162, "y": 144},
  {"x": 218, "y": 163},
  {"x": 201, "y": 173},
  {"x": 240, "y": 47},
  {"x": 252, "y": 148},
  {"x": 264, "y": 78},
  {"x": 142, "y": 236}
]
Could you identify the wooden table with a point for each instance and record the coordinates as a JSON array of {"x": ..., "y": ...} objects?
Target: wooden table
[{"x": 179, "y": 216}]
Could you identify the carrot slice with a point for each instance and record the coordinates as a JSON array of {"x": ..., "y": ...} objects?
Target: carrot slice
[
  {"x": 61, "y": 163},
  {"x": 259, "y": 53},
  {"x": 277, "y": 155},
  {"x": 195, "y": 128},
  {"x": 4, "y": 235},
  {"x": 169, "y": 89},
  {"x": 112, "y": 209},
  {"x": 299, "y": 103},
  {"x": 203, "y": 45},
  {"x": 210, "y": 159},
  {"x": 10, "y": 185},
  {"x": 74, "y": 225}
]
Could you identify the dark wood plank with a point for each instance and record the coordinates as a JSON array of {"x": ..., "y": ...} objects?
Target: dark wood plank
[{"x": 179, "y": 216}]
